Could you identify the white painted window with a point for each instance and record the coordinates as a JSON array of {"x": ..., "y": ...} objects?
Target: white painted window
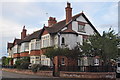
[
  {"x": 45, "y": 41},
  {"x": 43, "y": 56},
  {"x": 37, "y": 57},
  {"x": 18, "y": 49},
  {"x": 96, "y": 62},
  {"x": 63, "y": 61},
  {"x": 26, "y": 47},
  {"x": 22, "y": 47},
  {"x": 81, "y": 28},
  {"x": 37, "y": 46}
]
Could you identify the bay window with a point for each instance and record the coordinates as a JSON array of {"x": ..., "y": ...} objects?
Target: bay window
[
  {"x": 45, "y": 41},
  {"x": 35, "y": 45},
  {"x": 24, "y": 47}
]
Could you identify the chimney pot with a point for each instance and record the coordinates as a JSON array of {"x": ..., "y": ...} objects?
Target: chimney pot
[
  {"x": 68, "y": 4},
  {"x": 51, "y": 21}
]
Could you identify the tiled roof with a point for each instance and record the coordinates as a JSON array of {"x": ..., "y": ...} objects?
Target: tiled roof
[
  {"x": 16, "y": 41},
  {"x": 69, "y": 31},
  {"x": 34, "y": 35},
  {"x": 54, "y": 29},
  {"x": 58, "y": 26}
]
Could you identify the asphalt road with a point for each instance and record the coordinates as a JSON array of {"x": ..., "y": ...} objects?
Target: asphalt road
[{"x": 17, "y": 76}]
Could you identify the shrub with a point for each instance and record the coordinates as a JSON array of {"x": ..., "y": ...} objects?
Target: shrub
[
  {"x": 22, "y": 64},
  {"x": 45, "y": 68},
  {"x": 36, "y": 67}
]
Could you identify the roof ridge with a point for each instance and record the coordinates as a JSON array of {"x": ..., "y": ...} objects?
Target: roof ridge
[
  {"x": 72, "y": 17},
  {"x": 32, "y": 33},
  {"x": 65, "y": 19}
]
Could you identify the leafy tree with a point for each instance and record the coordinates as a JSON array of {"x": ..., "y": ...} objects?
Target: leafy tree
[
  {"x": 6, "y": 60},
  {"x": 52, "y": 52},
  {"x": 3, "y": 60},
  {"x": 104, "y": 46}
]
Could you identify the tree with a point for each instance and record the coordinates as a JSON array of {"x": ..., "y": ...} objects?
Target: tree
[
  {"x": 52, "y": 52},
  {"x": 6, "y": 60},
  {"x": 104, "y": 46}
]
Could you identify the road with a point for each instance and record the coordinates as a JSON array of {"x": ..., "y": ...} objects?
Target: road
[{"x": 17, "y": 76}]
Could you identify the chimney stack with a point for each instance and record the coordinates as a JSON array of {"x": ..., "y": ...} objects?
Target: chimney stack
[
  {"x": 68, "y": 12},
  {"x": 51, "y": 21},
  {"x": 23, "y": 33}
]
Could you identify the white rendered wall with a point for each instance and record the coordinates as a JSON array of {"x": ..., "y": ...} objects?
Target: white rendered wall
[
  {"x": 81, "y": 18},
  {"x": 88, "y": 29},
  {"x": 15, "y": 49},
  {"x": 70, "y": 40}
]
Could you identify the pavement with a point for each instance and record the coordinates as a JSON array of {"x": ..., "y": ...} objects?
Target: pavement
[{"x": 17, "y": 76}]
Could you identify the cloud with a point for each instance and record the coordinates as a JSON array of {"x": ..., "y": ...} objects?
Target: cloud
[
  {"x": 23, "y": 12},
  {"x": 102, "y": 15},
  {"x": 9, "y": 31},
  {"x": 18, "y": 13}
]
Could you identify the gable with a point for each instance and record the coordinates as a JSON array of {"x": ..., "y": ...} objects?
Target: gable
[
  {"x": 16, "y": 41},
  {"x": 45, "y": 32},
  {"x": 81, "y": 19}
]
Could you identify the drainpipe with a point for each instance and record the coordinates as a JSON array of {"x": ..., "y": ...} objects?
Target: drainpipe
[{"x": 58, "y": 39}]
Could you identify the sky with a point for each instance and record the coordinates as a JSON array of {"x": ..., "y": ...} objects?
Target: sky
[{"x": 34, "y": 14}]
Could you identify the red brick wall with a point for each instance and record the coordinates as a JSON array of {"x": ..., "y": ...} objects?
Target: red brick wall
[
  {"x": 45, "y": 32},
  {"x": 88, "y": 75},
  {"x": 35, "y": 52},
  {"x": 16, "y": 55},
  {"x": 23, "y": 34},
  {"x": 24, "y": 54},
  {"x": 68, "y": 62}
]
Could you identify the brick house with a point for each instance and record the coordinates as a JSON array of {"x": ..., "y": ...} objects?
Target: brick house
[{"x": 66, "y": 33}]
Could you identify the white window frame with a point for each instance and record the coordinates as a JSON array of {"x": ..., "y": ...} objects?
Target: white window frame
[
  {"x": 63, "y": 61},
  {"x": 81, "y": 28}
]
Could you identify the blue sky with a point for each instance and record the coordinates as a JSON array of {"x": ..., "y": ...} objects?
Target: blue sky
[{"x": 15, "y": 15}]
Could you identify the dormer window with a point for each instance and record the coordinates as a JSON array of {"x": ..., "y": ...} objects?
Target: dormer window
[{"x": 81, "y": 28}]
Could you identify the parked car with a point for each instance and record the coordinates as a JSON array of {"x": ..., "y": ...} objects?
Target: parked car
[{"x": 118, "y": 70}]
